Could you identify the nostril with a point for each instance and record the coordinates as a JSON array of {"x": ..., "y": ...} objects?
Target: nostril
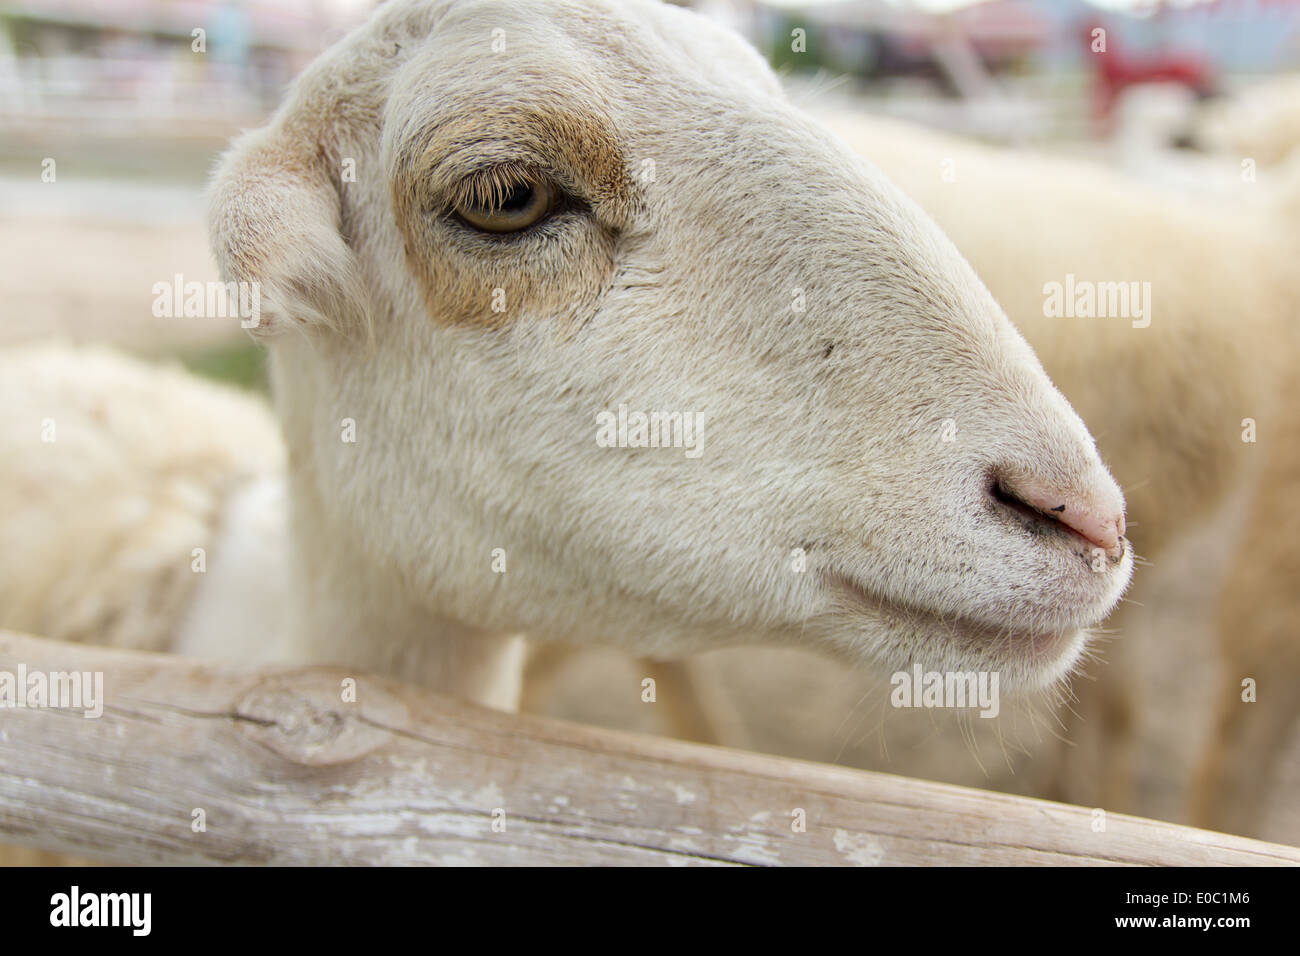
[
  {"x": 1098, "y": 519},
  {"x": 1010, "y": 500},
  {"x": 1003, "y": 494}
]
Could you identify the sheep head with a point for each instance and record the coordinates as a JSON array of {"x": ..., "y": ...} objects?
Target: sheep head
[{"x": 635, "y": 352}]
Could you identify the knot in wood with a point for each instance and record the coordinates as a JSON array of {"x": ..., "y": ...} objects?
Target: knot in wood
[{"x": 303, "y": 717}]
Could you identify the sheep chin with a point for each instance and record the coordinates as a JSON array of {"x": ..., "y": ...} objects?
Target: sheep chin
[{"x": 1028, "y": 661}]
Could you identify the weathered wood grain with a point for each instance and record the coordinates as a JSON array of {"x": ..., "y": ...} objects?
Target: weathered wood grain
[{"x": 286, "y": 772}]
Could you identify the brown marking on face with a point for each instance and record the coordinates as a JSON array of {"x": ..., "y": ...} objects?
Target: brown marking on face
[{"x": 562, "y": 275}]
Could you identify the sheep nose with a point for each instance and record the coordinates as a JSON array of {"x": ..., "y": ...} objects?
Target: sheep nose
[{"x": 1096, "y": 515}]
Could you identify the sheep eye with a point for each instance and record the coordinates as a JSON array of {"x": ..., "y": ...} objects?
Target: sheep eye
[{"x": 514, "y": 209}]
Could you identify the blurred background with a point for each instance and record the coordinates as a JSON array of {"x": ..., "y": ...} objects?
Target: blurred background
[{"x": 133, "y": 99}]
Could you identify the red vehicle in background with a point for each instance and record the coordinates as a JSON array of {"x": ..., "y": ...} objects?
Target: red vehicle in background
[{"x": 1116, "y": 69}]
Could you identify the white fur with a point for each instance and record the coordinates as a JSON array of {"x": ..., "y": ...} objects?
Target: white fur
[
  {"x": 1260, "y": 122},
  {"x": 240, "y": 599},
  {"x": 1167, "y": 403},
  {"x": 115, "y": 471},
  {"x": 476, "y": 430}
]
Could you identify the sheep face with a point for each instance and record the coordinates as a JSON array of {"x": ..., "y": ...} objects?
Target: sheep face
[{"x": 634, "y": 352}]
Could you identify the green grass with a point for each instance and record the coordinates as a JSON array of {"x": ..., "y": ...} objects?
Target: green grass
[{"x": 242, "y": 365}]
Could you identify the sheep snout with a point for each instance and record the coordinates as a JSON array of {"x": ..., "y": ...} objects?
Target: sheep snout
[{"x": 1096, "y": 514}]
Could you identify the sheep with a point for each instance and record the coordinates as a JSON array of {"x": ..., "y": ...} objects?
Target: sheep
[
  {"x": 327, "y": 251},
  {"x": 526, "y": 248},
  {"x": 1255, "y": 619},
  {"x": 118, "y": 474},
  {"x": 322, "y": 310},
  {"x": 462, "y": 267},
  {"x": 1216, "y": 353},
  {"x": 1167, "y": 402},
  {"x": 1261, "y": 122}
]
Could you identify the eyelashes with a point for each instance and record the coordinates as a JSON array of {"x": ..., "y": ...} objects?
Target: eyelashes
[
  {"x": 524, "y": 206},
  {"x": 505, "y": 199}
]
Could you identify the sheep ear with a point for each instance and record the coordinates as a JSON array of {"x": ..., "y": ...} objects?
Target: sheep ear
[{"x": 274, "y": 218}]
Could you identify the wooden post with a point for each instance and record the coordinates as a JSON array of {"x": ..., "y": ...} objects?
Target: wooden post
[{"x": 279, "y": 768}]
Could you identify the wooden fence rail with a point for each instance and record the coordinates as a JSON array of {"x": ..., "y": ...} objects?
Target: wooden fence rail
[{"x": 196, "y": 762}]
